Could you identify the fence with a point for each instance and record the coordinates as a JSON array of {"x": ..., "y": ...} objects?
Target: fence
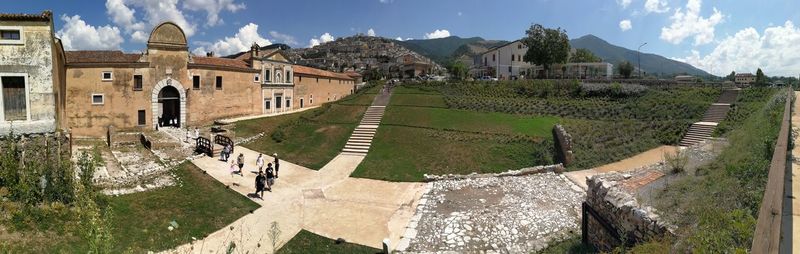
[{"x": 767, "y": 236}]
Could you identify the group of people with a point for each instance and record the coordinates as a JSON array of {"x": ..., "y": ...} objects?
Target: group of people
[{"x": 266, "y": 178}]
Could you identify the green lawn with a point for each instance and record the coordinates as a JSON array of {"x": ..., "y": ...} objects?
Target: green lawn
[
  {"x": 307, "y": 242},
  {"x": 199, "y": 204},
  {"x": 310, "y": 138},
  {"x": 416, "y": 138}
]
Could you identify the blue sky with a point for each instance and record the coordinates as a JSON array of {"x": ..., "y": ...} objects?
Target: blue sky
[{"x": 715, "y": 35}]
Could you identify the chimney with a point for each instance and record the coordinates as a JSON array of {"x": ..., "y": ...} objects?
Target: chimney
[
  {"x": 210, "y": 54},
  {"x": 254, "y": 50}
]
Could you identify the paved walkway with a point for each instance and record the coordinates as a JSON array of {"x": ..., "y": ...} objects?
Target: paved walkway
[
  {"x": 649, "y": 157},
  {"x": 327, "y": 202},
  {"x": 791, "y": 219}
]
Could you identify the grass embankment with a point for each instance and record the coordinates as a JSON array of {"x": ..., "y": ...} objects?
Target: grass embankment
[
  {"x": 309, "y": 138},
  {"x": 418, "y": 135},
  {"x": 716, "y": 208},
  {"x": 198, "y": 204},
  {"x": 307, "y": 242},
  {"x": 607, "y": 122}
]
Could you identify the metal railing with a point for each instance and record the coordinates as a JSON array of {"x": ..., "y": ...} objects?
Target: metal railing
[{"x": 767, "y": 236}]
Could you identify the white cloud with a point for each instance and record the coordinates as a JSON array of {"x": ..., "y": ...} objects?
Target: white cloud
[
  {"x": 691, "y": 24},
  {"x": 123, "y": 16},
  {"x": 285, "y": 38},
  {"x": 76, "y": 35},
  {"x": 624, "y": 3},
  {"x": 656, "y": 6},
  {"x": 371, "y": 32},
  {"x": 437, "y": 34},
  {"x": 459, "y": 14},
  {"x": 399, "y": 38},
  {"x": 776, "y": 51},
  {"x": 213, "y": 8},
  {"x": 385, "y": 1},
  {"x": 242, "y": 41},
  {"x": 326, "y": 37},
  {"x": 625, "y": 25}
]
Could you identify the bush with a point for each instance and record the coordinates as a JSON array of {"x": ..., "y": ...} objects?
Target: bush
[
  {"x": 676, "y": 161},
  {"x": 278, "y": 136}
]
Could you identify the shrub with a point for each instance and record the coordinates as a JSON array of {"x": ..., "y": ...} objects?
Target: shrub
[
  {"x": 676, "y": 161},
  {"x": 278, "y": 135}
]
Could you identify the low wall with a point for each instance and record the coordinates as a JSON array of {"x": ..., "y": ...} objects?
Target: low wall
[
  {"x": 41, "y": 146},
  {"x": 563, "y": 145},
  {"x": 612, "y": 216},
  {"x": 555, "y": 168}
]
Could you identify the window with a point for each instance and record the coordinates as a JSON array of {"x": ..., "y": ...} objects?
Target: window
[
  {"x": 137, "y": 82},
  {"x": 288, "y": 103},
  {"x": 256, "y": 78},
  {"x": 317, "y": 80},
  {"x": 196, "y": 82},
  {"x": 311, "y": 99},
  {"x": 300, "y": 78},
  {"x": 509, "y": 69},
  {"x": 266, "y": 104},
  {"x": 98, "y": 99},
  {"x": 219, "y": 82},
  {"x": 107, "y": 76},
  {"x": 512, "y": 57},
  {"x": 267, "y": 76},
  {"x": 278, "y": 101},
  {"x": 288, "y": 77},
  {"x": 11, "y": 35},
  {"x": 15, "y": 98},
  {"x": 493, "y": 57},
  {"x": 141, "y": 117},
  {"x": 301, "y": 103}
]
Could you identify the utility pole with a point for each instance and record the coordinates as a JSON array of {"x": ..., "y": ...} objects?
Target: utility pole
[{"x": 639, "y": 58}]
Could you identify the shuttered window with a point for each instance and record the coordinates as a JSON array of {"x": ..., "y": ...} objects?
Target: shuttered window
[{"x": 14, "y": 98}]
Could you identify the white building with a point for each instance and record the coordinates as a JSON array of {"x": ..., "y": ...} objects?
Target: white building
[{"x": 507, "y": 60}]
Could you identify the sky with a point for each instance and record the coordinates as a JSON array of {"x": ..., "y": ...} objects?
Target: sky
[{"x": 718, "y": 36}]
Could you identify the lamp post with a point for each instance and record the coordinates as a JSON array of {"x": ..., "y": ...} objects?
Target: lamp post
[{"x": 639, "y": 58}]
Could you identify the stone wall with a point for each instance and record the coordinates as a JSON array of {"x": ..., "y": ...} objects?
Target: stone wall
[
  {"x": 556, "y": 168},
  {"x": 612, "y": 216},
  {"x": 41, "y": 146},
  {"x": 318, "y": 90},
  {"x": 563, "y": 143}
]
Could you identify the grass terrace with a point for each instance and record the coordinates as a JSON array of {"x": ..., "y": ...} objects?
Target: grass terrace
[
  {"x": 310, "y": 138},
  {"x": 441, "y": 128},
  {"x": 307, "y": 242}
]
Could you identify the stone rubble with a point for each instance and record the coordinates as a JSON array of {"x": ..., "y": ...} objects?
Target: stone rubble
[{"x": 512, "y": 214}]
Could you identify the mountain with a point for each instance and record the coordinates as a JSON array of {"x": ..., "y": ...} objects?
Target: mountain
[
  {"x": 651, "y": 63},
  {"x": 475, "y": 48},
  {"x": 439, "y": 50}
]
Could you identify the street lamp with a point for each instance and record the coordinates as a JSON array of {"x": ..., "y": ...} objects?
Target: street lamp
[{"x": 639, "y": 58}]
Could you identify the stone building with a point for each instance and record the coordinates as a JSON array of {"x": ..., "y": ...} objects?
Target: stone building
[
  {"x": 31, "y": 76},
  {"x": 167, "y": 86}
]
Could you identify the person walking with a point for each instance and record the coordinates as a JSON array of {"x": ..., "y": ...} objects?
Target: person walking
[
  {"x": 230, "y": 151},
  {"x": 260, "y": 182},
  {"x": 277, "y": 164},
  {"x": 260, "y": 162},
  {"x": 188, "y": 135},
  {"x": 240, "y": 161},
  {"x": 270, "y": 177},
  {"x": 232, "y": 168},
  {"x": 196, "y": 133}
]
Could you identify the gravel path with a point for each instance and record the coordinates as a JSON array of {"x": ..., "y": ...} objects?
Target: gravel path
[{"x": 519, "y": 214}]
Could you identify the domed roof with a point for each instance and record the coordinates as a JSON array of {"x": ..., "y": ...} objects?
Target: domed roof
[{"x": 167, "y": 35}]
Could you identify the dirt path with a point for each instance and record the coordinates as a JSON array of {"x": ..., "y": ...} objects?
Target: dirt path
[
  {"x": 327, "y": 202},
  {"x": 649, "y": 157}
]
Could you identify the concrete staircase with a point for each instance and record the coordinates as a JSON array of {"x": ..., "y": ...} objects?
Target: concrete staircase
[
  {"x": 700, "y": 131},
  {"x": 362, "y": 136}
]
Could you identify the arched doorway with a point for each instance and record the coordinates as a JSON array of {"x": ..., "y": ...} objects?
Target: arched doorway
[
  {"x": 170, "y": 100},
  {"x": 169, "y": 103}
]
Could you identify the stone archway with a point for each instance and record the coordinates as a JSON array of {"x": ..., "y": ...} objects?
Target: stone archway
[{"x": 157, "y": 105}]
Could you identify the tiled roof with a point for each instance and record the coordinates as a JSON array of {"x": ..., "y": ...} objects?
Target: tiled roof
[
  {"x": 218, "y": 61},
  {"x": 352, "y": 74},
  {"x": 299, "y": 69},
  {"x": 44, "y": 16},
  {"x": 101, "y": 56}
]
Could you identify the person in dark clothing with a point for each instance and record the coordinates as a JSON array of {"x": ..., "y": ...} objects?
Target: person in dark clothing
[
  {"x": 260, "y": 182},
  {"x": 240, "y": 161},
  {"x": 277, "y": 164},
  {"x": 270, "y": 177}
]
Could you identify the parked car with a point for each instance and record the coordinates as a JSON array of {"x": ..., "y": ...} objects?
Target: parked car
[{"x": 488, "y": 78}]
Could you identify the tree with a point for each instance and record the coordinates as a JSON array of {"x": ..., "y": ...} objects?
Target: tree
[
  {"x": 584, "y": 56},
  {"x": 760, "y": 78},
  {"x": 459, "y": 70},
  {"x": 546, "y": 46},
  {"x": 731, "y": 77},
  {"x": 625, "y": 69}
]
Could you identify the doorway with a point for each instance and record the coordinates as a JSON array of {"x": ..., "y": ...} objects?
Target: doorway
[{"x": 170, "y": 104}]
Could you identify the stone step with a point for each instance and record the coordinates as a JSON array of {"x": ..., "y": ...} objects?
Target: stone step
[
  {"x": 358, "y": 146},
  {"x": 362, "y": 136},
  {"x": 365, "y": 131},
  {"x": 351, "y": 153},
  {"x": 354, "y": 143},
  {"x": 360, "y": 139},
  {"x": 355, "y": 151}
]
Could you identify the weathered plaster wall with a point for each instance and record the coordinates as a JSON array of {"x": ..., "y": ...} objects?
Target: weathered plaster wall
[
  {"x": 323, "y": 90},
  {"x": 240, "y": 96},
  {"x": 34, "y": 58}
]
